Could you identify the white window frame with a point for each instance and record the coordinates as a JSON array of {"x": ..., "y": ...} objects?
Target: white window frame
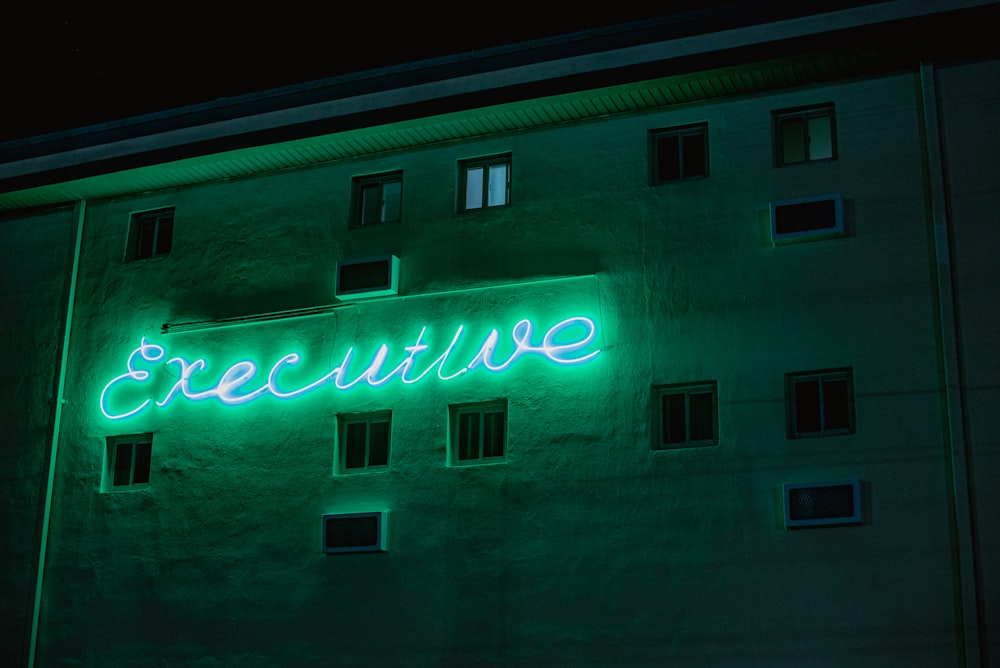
[
  {"x": 803, "y": 114},
  {"x": 685, "y": 390},
  {"x": 488, "y": 188},
  {"x": 133, "y": 442},
  {"x": 680, "y": 132},
  {"x": 456, "y": 412},
  {"x": 344, "y": 421},
  {"x": 821, "y": 377},
  {"x": 378, "y": 181},
  {"x": 135, "y": 236}
]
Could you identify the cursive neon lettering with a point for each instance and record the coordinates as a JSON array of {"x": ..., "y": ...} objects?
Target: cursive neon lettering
[{"x": 568, "y": 342}]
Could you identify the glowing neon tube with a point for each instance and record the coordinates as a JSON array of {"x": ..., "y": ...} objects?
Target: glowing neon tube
[{"x": 568, "y": 342}]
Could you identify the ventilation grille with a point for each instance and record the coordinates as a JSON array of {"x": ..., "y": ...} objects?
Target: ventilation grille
[
  {"x": 354, "y": 532},
  {"x": 822, "y": 504},
  {"x": 810, "y": 218},
  {"x": 371, "y": 277}
]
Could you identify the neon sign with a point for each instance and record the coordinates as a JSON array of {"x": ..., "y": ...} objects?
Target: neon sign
[{"x": 564, "y": 343}]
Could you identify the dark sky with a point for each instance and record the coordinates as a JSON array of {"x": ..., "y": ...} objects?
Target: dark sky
[{"x": 75, "y": 66}]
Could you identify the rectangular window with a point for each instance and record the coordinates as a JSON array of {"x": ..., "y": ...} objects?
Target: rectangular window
[
  {"x": 150, "y": 234},
  {"x": 363, "y": 442},
  {"x": 808, "y": 218},
  {"x": 806, "y": 134},
  {"x": 127, "y": 462},
  {"x": 686, "y": 415},
  {"x": 484, "y": 182},
  {"x": 377, "y": 199},
  {"x": 678, "y": 153},
  {"x": 478, "y": 433},
  {"x": 820, "y": 403}
]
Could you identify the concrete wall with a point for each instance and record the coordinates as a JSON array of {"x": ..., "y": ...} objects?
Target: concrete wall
[
  {"x": 36, "y": 252},
  {"x": 585, "y": 547}
]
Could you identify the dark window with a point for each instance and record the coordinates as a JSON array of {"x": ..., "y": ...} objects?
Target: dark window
[
  {"x": 355, "y": 532},
  {"x": 678, "y": 153},
  {"x": 377, "y": 199},
  {"x": 806, "y": 134},
  {"x": 479, "y": 432},
  {"x": 820, "y": 403},
  {"x": 151, "y": 234},
  {"x": 364, "y": 442},
  {"x": 484, "y": 182},
  {"x": 128, "y": 462},
  {"x": 686, "y": 415}
]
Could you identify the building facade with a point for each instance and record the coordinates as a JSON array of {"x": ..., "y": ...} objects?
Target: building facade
[{"x": 670, "y": 344}]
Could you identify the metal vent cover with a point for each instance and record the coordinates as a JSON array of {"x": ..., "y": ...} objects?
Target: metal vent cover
[{"x": 822, "y": 504}]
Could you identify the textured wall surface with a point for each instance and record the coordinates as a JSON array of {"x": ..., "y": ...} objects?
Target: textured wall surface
[
  {"x": 585, "y": 547},
  {"x": 36, "y": 252}
]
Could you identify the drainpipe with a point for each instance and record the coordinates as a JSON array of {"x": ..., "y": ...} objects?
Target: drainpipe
[
  {"x": 79, "y": 212},
  {"x": 963, "y": 519}
]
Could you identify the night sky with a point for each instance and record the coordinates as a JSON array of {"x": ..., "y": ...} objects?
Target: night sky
[{"x": 76, "y": 66}]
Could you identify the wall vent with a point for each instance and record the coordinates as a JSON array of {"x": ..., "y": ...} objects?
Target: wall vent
[
  {"x": 822, "y": 504},
  {"x": 808, "y": 218},
  {"x": 355, "y": 532},
  {"x": 371, "y": 277}
]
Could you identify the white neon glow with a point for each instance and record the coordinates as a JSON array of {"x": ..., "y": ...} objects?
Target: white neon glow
[{"x": 565, "y": 343}]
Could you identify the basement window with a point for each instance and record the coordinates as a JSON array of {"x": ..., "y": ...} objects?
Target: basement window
[
  {"x": 478, "y": 433},
  {"x": 127, "y": 462},
  {"x": 363, "y": 442},
  {"x": 820, "y": 403},
  {"x": 686, "y": 415},
  {"x": 150, "y": 234},
  {"x": 484, "y": 182},
  {"x": 677, "y": 154},
  {"x": 377, "y": 199},
  {"x": 804, "y": 134}
]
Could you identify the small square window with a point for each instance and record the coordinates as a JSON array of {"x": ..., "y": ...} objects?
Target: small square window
[
  {"x": 820, "y": 403},
  {"x": 377, "y": 199},
  {"x": 478, "y": 433},
  {"x": 150, "y": 234},
  {"x": 484, "y": 182},
  {"x": 363, "y": 442},
  {"x": 807, "y": 134},
  {"x": 677, "y": 154},
  {"x": 686, "y": 415},
  {"x": 127, "y": 462}
]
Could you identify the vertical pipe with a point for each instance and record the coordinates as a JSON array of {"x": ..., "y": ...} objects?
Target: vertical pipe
[
  {"x": 79, "y": 212},
  {"x": 963, "y": 520}
]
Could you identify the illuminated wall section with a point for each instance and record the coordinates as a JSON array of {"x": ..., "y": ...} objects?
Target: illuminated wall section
[{"x": 581, "y": 545}]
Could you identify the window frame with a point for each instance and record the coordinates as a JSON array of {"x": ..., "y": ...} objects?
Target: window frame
[
  {"x": 837, "y": 230},
  {"x": 482, "y": 409},
  {"x": 505, "y": 159},
  {"x": 845, "y": 374},
  {"x": 110, "y": 469},
  {"x": 686, "y": 390},
  {"x": 680, "y": 131},
  {"x": 804, "y": 113},
  {"x": 136, "y": 236},
  {"x": 358, "y": 186},
  {"x": 344, "y": 421}
]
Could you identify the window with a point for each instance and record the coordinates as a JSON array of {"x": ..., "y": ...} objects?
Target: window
[
  {"x": 364, "y": 442},
  {"x": 127, "y": 462},
  {"x": 686, "y": 415},
  {"x": 807, "y": 219},
  {"x": 150, "y": 234},
  {"x": 678, "y": 153},
  {"x": 484, "y": 182},
  {"x": 804, "y": 135},
  {"x": 478, "y": 433},
  {"x": 377, "y": 199},
  {"x": 820, "y": 403}
]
